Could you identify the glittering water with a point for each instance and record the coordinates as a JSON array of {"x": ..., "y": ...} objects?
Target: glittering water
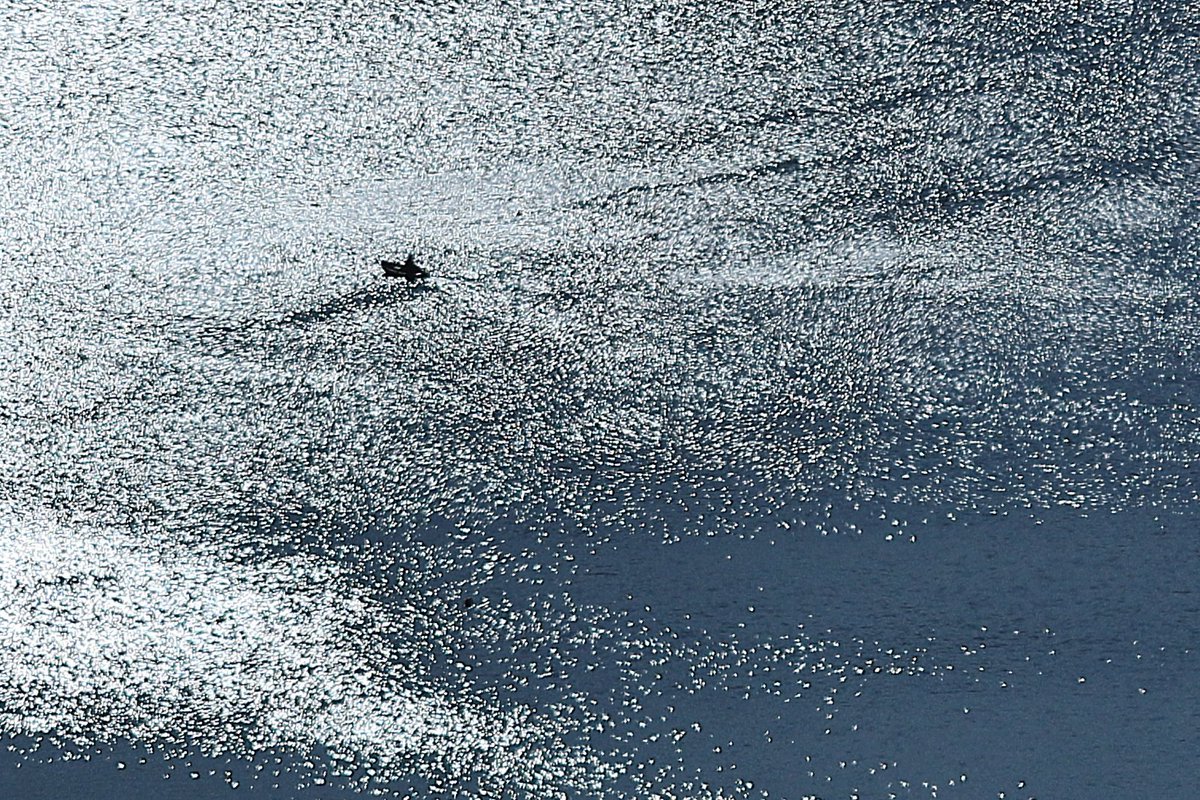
[{"x": 805, "y": 401}]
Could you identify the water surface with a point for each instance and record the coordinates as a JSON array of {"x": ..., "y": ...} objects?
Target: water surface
[{"x": 804, "y": 403}]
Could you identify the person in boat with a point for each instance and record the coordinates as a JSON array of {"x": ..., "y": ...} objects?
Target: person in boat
[{"x": 408, "y": 270}]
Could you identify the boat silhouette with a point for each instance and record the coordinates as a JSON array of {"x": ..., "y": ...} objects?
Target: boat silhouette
[{"x": 408, "y": 270}]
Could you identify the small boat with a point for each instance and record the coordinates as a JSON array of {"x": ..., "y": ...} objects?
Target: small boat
[{"x": 408, "y": 270}]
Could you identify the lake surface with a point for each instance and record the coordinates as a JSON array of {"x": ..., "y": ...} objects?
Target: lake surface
[{"x": 805, "y": 401}]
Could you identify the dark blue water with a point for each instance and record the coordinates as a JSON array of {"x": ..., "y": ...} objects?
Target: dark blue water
[{"x": 805, "y": 401}]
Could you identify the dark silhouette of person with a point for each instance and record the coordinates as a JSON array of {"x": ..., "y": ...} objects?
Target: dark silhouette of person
[{"x": 408, "y": 270}]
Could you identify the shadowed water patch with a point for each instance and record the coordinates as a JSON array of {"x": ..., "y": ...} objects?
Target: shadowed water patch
[{"x": 106, "y": 638}]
